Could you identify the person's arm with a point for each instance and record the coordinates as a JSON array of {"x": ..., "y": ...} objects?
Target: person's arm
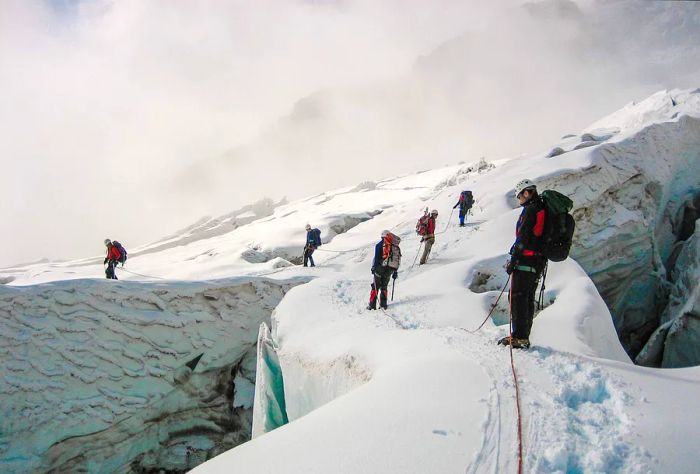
[{"x": 376, "y": 262}]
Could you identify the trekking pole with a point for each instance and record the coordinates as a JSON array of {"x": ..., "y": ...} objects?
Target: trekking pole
[
  {"x": 417, "y": 253},
  {"x": 393, "y": 286}
]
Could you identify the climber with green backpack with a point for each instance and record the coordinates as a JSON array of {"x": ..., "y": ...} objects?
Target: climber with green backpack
[{"x": 544, "y": 231}]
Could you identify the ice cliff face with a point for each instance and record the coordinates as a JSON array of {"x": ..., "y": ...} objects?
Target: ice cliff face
[
  {"x": 101, "y": 376},
  {"x": 634, "y": 205}
]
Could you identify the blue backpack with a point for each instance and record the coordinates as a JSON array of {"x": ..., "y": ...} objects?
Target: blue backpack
[{"x": 122, "y": 251}]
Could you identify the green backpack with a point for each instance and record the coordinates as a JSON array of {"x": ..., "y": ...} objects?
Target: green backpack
[{"x": 559, "y": 226}]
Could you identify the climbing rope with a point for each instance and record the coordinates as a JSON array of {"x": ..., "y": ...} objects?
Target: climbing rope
[
  {"x": 493, "y": 307},
  {"x": 342, "y": 251},
  {"x": 417, "y": 253},
  {"x": 517, "y": 387},
  {"x": 447, "y": 224},
  {"x": 140, "y": 274}
]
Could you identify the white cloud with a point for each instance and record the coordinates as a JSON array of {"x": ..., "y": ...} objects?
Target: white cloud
[{"x": 104, "y": 104}]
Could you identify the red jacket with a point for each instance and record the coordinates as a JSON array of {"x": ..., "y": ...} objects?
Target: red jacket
[{"x": 113, "y": 253}]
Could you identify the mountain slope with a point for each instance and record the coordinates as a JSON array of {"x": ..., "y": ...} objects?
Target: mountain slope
[{"x": 412, "y": 389}]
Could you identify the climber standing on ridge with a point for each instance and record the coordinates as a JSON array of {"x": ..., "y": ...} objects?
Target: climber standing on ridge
[
  {"x": 385, "y": 265},
  {"x": 465, "y": 203},
  {"x": 526, "y": 264},
  {"x": 112, "y": 259},
  {"x": 313, "y": 241},
  {"x": 429, "y": 237}
]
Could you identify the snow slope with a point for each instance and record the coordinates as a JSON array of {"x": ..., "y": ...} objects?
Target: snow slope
[{"x": 412, "y": 389}]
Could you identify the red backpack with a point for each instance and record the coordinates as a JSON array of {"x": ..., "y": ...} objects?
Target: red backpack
[{"x": 422, "y": 225}]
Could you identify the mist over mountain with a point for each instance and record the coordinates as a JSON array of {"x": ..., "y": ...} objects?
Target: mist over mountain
[{"x": 131, "y": 119}]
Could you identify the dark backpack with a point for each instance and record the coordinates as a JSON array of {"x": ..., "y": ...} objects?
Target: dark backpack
[
  {"x": 391, "y": 253},
  {"x": 122, "y": 251},
  {"x": 466, "y": 199},
  {"x": 316, "y": 236},
  {"x": 422, "y": 225},
  {"x": 559, "y": 226}
]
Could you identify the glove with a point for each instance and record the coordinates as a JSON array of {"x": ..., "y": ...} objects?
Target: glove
[
  {"x": 372, "y": 271},
  {"x": 422, "y": 239},
  {"x": 510, "y": 266},
  {"x": 105, "y": 263},
  {"x": 396, "y": 274}
]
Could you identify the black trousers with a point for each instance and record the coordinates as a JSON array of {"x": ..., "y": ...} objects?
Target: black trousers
[
  {"x": 110, "y": 272},
  {"x": 523, "y": 286},
  {"x": 308, "y": 252},
  {"x": 382, "y": 276}
]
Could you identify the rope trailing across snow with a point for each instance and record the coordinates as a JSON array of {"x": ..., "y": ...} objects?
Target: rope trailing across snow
[
  {"x": 517, "y": 386},
  {"x": 493, "y": 307},
  {"x": 140, "y": 274}
]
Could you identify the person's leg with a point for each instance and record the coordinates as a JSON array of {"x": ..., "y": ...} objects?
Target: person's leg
[
  {"x": 522, "y": 293},
  {"x": 461, "y": 219},
  {"x": 306, "y": 256},
  {"x": 111, "y": 274},
  {"x": 384, "y": 286},
  {"x": 373, "y": 295},
  {"x": 311, "y": 259},
  {"x": 428, "y": 244}
]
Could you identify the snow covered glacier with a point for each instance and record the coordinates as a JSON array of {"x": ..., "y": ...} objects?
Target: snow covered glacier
[{"x": 341, "y": 389}]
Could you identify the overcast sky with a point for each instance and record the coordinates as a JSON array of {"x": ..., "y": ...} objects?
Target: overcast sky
[{"x": 110, "y": 110}]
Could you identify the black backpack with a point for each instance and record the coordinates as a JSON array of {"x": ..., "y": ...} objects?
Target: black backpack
[
  {"x": 466, "y": 199},
  {"x": 559, "y": 226},
  {"x": 122, "y": 251}
]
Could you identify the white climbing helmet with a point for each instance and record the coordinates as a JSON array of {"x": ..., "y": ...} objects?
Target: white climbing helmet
[
  {"x": 523, "y": 185},
  {"x": 308, "y": 227},
  {"x": 434, "y": 212},
  {"x": 107, "y": 241},
  {"x": 385, "y": 233}
]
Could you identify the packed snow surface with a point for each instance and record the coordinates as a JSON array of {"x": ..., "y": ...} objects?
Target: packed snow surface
[{"x": 414, "y": 388}]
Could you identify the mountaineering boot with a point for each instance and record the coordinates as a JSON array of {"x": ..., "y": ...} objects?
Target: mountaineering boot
[{"x": 515, "y": 342}]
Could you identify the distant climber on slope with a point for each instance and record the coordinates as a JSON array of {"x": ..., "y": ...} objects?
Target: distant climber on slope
[
  {"x": 385, "y": 265},
  {"x": 313, "y": 241},
  {"x": 465, "y": 203},
  {"x": 526, "y": 264},
  {"x": 112, "y": 259},
  {"x": 429, "y": 237}
]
